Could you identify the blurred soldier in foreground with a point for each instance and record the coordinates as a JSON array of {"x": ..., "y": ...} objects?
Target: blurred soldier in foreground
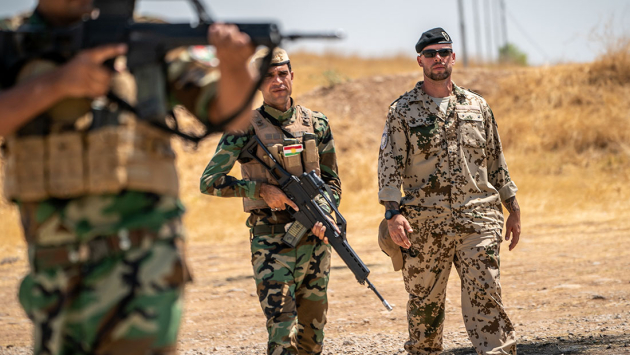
[
  {"x": 99, "y": 205},
  {"x": 442, "y": 145},
  {"x": 291, "y": 282}
]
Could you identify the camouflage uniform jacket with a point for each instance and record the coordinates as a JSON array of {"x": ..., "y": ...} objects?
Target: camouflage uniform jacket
[
  {"x": 215, "y": 181},
  {"x": 449, "y": 162},
  {"x": 193, "y": 84}
]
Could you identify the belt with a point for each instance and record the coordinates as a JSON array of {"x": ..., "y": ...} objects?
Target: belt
[
  {"x": 268, "y": 229},
  {"x": 94, "y": 250}
]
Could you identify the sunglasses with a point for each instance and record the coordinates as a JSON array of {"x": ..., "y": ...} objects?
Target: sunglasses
[{"x": 430, "y": 53}]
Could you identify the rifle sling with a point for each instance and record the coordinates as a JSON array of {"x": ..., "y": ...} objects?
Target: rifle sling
[{"x": 274, "y": 121}]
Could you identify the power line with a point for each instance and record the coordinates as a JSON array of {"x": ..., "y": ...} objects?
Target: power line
[
  {"x": 477, "y": 29},
  {"x": 488, "y": 31},
  {"x": 524, "y": 33},
  {"x": 463, "y": 31}
]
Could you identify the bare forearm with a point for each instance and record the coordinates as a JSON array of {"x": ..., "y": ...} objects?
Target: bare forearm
[
  {"x": 511, "y": 204},
  {"x": 25, "y": 101},
  {"x": 232, "y": 92}
]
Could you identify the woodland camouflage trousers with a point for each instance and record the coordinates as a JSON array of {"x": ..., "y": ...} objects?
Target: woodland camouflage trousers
[
  {"x": 128, "y": 301},
  {"x": 427, "y": 265},
  {"x": 291, "y": 284}
]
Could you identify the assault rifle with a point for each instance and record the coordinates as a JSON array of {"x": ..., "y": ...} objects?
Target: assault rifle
[
  {"x": 148, "y": 43},
  {"x": 304, "y": 191}
]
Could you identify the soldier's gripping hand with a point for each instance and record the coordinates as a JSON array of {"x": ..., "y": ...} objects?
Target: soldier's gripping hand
[
  {"x": 234, "y": 48},
  {"x": 319, "y": 230},
  {"x": 275, "y": 198},
  {"x": 398, "y": 228},
  {"x": 85, "y": 75}
]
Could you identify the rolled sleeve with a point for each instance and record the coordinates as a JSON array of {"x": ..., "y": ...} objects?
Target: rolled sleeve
[
  {"x": 389, "y": 194},
  {"x": 508, "y": 190}
]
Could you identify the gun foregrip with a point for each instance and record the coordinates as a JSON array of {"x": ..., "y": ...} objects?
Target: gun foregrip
[{"x": 352, "y": 260}]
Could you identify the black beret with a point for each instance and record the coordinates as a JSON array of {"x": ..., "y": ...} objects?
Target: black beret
[{"x": 433, "y": 36}]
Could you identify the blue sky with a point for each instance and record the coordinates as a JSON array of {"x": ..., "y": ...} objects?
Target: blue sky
[{"x": 549, "y": 31}]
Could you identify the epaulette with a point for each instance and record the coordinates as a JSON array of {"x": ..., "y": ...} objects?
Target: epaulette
[
  {"x": 395, "y": 101},
  {"x": 471, "y": 91}
]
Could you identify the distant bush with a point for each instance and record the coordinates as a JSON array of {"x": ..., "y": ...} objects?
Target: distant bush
[{"x": 512, "y": 55}]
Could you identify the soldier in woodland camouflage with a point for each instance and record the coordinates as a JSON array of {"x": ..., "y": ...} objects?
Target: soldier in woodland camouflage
[
  {"x": 441, "y": 144},
  {"x": 291, "y": 282},
  {"x": 100, "y": 207}
]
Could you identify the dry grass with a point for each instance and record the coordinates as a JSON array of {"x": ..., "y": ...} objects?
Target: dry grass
[
  {"x": 565, "y": 130},
  {"x": 331, "y": 69}
]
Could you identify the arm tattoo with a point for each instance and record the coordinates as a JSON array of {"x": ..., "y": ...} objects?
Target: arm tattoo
[
  {"x": 390, "y": 205},
  {"x": 512, "y": 205}
]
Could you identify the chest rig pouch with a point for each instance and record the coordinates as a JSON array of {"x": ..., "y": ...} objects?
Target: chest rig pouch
[
  {"x": 297, "y": 155},
  {"x": 75, "y": 149}
]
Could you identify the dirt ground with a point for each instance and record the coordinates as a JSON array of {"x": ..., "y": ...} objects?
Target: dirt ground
[{"x": 566, "y": 287}]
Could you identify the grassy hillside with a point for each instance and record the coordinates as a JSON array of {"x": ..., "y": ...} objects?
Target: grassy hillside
[{"x": 565, "y": 130}]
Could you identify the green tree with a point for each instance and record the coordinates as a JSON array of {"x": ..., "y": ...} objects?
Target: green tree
[{"x": 511, "y": 54}]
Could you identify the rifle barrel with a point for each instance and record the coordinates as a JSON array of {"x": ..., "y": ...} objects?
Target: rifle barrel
[
  {"x": 339, "y": 34},
  {"x": 385, "y": 303}
]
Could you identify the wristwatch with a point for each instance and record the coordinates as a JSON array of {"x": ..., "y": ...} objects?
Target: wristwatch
[{"x": 391, "y": 213}]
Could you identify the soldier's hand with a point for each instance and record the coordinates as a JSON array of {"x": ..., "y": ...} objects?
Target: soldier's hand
[
  {"x": 275, "y": 198},
  {"x": 85, "y": 75},
  {"x": 513, "y": 228},
  {"x": 234, "y": 48},
  {"x": 398, "y": 228},
  {"x": 319, "y": 230}
]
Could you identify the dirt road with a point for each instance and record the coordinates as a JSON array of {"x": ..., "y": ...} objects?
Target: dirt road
[{"x": 566, "y": 287}]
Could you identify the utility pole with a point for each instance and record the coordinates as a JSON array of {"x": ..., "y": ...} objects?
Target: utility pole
[
  {"x": 477, "y": 21},
  {"x": 489, "y": 32},
  {"x": 505, "y": 36},
  {"x": 463, "y": 31},
  {"x": 496, "y": 17}
]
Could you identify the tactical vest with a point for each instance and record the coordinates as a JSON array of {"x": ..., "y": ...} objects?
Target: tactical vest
[
  {"x": 62, "y": 155},
  {"x": 285, "y": 150}
]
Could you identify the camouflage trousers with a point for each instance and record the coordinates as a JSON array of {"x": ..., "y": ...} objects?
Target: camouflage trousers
[
  {"x": 427, "y": 265},
  {"x": 291, "y": 284},
  {"x": 91, "y": 298}
]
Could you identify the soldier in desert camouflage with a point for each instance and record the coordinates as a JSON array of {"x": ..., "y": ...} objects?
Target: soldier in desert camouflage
[
  {"x": 441, "y": 144},
  {"x": 291, "y": 282},
  {"x": 100, "y": 207}
]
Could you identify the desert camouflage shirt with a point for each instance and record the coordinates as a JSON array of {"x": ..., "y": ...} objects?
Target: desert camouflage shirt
[
  {"x": 449, "y": 162},
  {"x": 215, "y": 181}
]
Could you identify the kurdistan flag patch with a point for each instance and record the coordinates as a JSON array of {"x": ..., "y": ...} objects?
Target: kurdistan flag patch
[{"x": 291, "y": 150}]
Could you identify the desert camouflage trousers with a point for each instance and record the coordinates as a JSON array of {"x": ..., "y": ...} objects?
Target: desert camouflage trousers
[
  {"x": 436, "y": 245},
  {"x": 110, "y": 294},
  {"x": 291, "y": 284}
]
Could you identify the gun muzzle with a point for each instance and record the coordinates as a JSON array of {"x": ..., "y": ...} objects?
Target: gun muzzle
[
  {"x": 338, "y": 34},
  {"x": 385, "y": 303}
]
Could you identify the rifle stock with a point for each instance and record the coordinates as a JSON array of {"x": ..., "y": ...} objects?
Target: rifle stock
[{"x": 304, "y": 191}]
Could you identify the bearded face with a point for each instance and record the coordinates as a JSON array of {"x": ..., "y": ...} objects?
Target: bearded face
[{"x": 436, "y": 66}]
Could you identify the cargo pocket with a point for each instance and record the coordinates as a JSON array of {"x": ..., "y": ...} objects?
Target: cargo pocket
[
  {"x": 151, "y": 163},
  {"x": 472, "y": 128},
  {"x": 310, "y": 156},
  {"x": 65, "y": 165},
  {"x": 24, "y": 176},
  {"x": 107, "y": 149}
]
